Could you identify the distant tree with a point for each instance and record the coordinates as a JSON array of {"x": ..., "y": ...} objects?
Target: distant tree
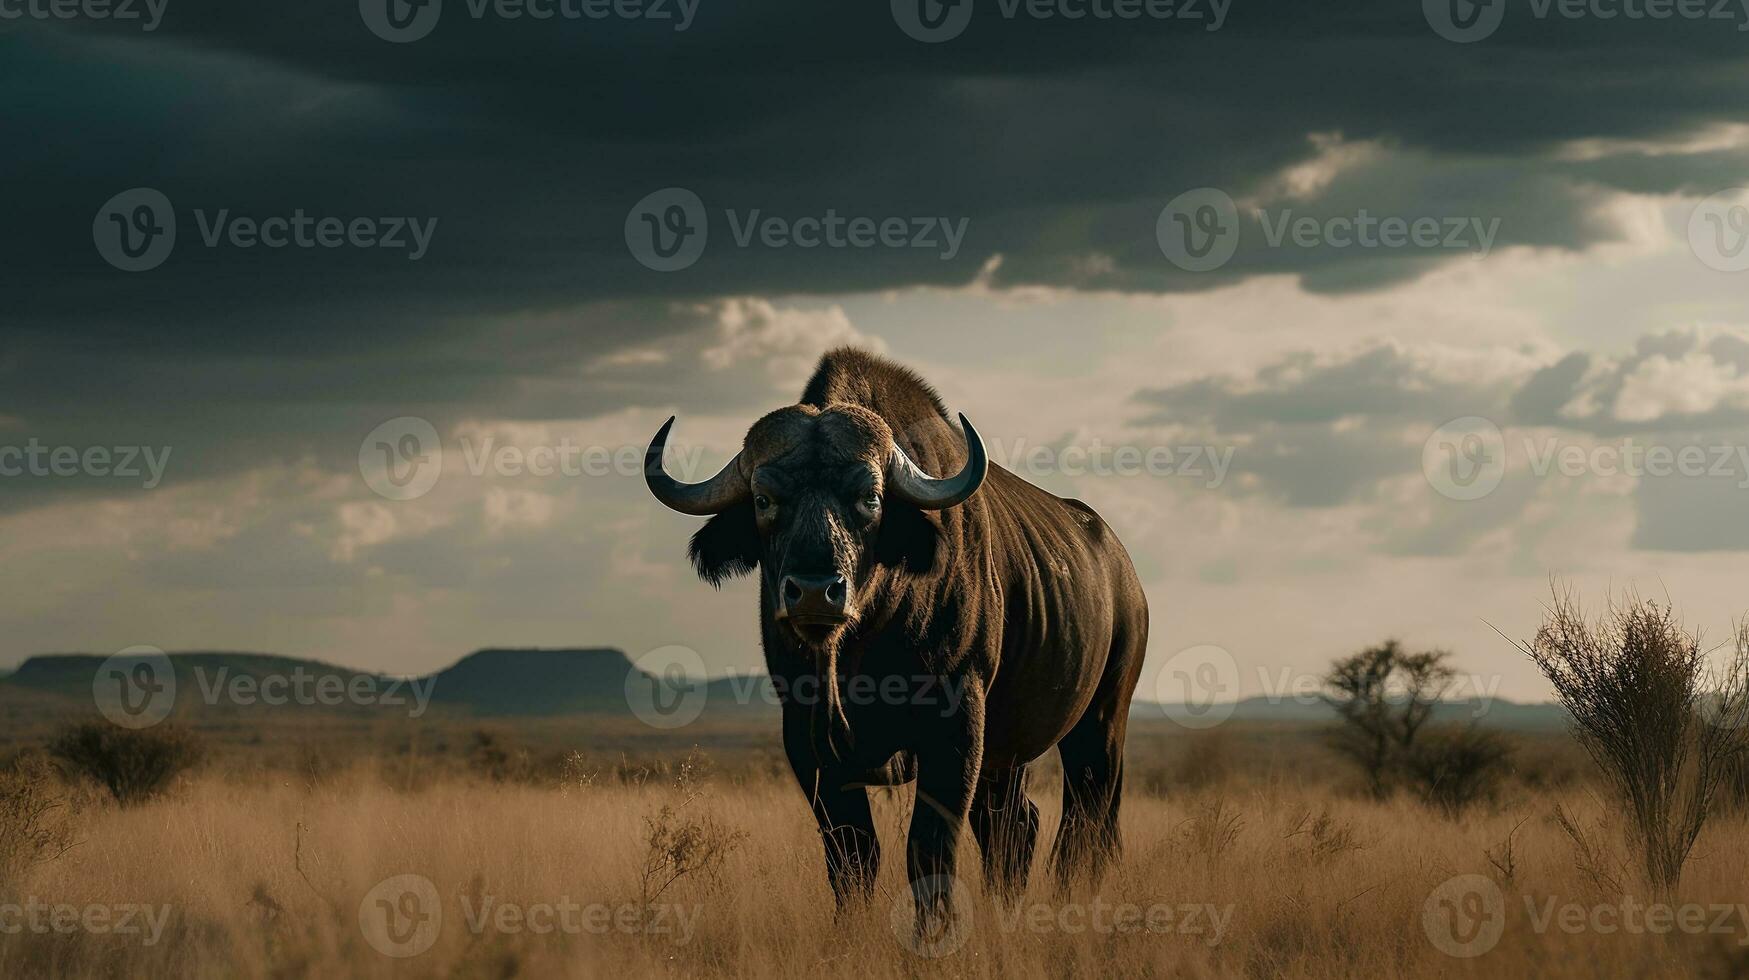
[
  {"x": 1384, "y": 697},
  {"x": 134, "y": 765}
]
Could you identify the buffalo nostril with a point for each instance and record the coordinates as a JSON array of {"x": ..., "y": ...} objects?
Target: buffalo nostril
[
  {"x": 791, "y": 591},
  {"x": 835, "y": 592}
]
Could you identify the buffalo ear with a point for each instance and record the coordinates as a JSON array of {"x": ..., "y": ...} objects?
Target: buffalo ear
[
  {"x": 908, "y": 538},
  {"x": 727, "y": 545}
]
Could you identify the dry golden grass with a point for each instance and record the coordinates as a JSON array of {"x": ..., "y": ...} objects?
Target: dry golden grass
[{"x": 1312, "y": 884}]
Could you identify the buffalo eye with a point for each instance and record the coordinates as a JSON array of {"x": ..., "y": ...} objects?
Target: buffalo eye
[
  {"x": 870, "y": 504},
  {"x": 761, "y": 502}
]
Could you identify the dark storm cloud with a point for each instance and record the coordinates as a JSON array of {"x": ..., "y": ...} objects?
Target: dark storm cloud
[{"x": 526, "y": 142}]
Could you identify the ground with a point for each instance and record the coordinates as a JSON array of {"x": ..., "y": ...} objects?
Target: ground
[{"x": 1247, "y": 852}]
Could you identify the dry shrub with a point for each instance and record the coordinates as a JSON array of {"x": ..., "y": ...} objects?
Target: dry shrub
[
  {"x": 1212, "y": 829},
  {"x": 495, "y": 759},
  {"x": 1319, "y": 836},
  {"x": 33, "y": 818},
  {"x": 680, "y": 844},
  {"x": 1635, "y": 682},
  {"x": 1453, "y": 769},
  {"x": 134, "y": 765},
  {"x": 1591, "y": 856},
  {"x": 1206, "y": 761}
]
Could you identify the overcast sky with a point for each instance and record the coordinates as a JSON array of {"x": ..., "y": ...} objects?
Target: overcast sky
[{"x": 1539, "y": 231}]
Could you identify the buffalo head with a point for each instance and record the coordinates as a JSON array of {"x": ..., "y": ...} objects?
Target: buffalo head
[{"x": 817, "y": 499}]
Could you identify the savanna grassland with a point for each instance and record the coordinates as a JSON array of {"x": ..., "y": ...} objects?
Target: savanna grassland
[{"x": 1248, "y": 851}]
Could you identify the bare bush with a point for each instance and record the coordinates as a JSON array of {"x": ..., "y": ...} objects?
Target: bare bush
[
  {"x": 1212, "y": 829},
  {"x": 679, "y": 844},
  {"x": 1205, "y": 762},
  {"x": 1455, "y": 768},
  {"x": 493, "y": 757},
  {"x": 1590, "y": 856},
  {"x": 134, "y": 765},
  {"x": 1635, "y": 683},
  {"x": 1319, "y": 836},
  {"x": 33, "y": 818}
]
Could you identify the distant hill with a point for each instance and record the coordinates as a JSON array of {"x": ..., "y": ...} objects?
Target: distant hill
[
  {"x": 1495, "y": 713},
  {"x": 493, "y": 683},
  {"x": 592, "y": 681}
]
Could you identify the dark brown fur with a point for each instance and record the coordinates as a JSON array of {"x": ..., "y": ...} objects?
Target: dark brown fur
[{"x": 1024, "y": 600}]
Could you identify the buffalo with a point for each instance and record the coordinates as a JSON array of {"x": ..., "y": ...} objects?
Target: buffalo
[{"x": 949, "y": 629}]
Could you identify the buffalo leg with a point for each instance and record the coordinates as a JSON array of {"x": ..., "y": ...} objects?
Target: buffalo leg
[
  {"x": 1005, "y": 822},
  {"x": 841, "y": 810},
  {"x": 1092, "y": 755},
  {"x": 947, "y": 777}
]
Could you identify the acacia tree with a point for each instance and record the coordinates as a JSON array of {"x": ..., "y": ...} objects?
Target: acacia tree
[{"x": 1384, "y": 697}]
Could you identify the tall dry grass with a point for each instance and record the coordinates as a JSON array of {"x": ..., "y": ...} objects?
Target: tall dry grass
[{"x": 265, "y": 877}]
